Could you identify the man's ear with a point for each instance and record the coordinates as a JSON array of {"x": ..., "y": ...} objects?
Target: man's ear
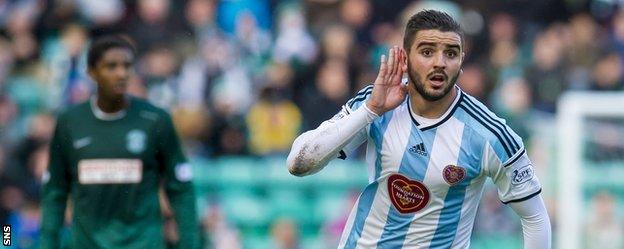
[{"x": 405, "y": 59}]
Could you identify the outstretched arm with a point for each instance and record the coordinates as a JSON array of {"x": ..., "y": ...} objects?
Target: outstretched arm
[
  {"x": 535, "y": 222},
  {"x": 312, "y": 150}
]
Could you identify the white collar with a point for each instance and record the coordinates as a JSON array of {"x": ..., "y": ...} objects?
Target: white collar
[
  {"x": 428, "y": 123},
  {"x": 106, "y": 116}
]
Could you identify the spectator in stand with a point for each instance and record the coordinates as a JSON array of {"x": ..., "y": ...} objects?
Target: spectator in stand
[
  {"x": 65, "y": 57},
  {"x": 293, "y": 42},
  {"x": 158, "y": 68},
  {"x": 273, "y": 123},
  {"x": 608, "y": 73},
  {"x": 29, "y": 159},
  {"x": 154, "y": 25},
  {"x": 330, "y": 91},
  {"x": 604, "y": 227},
  {"x": 200, "y": 16},
  {"x": 285, "y": 234},
  {"x": 546, "y": 75},
  {"x": 218, "y": 234}
]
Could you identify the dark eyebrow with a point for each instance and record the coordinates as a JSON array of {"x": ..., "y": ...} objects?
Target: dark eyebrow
[
  {"x": 426, "y": 44},
  {"x": 451, "y": 46}
]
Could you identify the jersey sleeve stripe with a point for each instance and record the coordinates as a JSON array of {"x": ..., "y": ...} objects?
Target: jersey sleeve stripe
[
  {"x": 363, "y": 92},
  {"x": 523, "y": 198},
  {"x": 365, "y": 89},
  {"x": 495, "y": 122},
  {"x": 514, "y": 159},
  {"x": 466, "y": 109},
  {"x": 358, "y": 99}
]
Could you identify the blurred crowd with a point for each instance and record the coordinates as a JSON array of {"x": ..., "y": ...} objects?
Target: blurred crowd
[{"x": 245, "y": 77}]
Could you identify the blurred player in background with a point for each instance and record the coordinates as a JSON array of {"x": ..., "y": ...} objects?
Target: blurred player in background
[
  {"x": 430, "y": 149},
  {"x": 110, "y": 154}
]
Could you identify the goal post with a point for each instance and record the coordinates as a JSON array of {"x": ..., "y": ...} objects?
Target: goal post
[{"x": 574, "y": 111}]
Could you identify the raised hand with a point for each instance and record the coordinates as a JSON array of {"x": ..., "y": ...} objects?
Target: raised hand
[{"x": 388, "y": 91}]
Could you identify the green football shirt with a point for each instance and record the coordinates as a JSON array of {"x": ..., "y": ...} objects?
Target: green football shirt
[{"x": 111, "y": 167}]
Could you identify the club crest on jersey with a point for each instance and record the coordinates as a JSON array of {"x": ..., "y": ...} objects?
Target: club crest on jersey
[
  {"x": 453, "y": 174},
  {"x": 136, "y": 141},
  {"x": 407, "y": 196}
]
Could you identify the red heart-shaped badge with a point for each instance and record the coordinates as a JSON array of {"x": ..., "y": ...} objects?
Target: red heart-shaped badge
[
  {"x": 453, "y": 174},
  {"x": 407, "y": 195}
]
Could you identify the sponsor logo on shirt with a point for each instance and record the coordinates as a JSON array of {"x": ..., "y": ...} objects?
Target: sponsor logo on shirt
[
  {"x": 135, "y": 141},
  {"x": 453, "y": 174},
  {"x": 407, "y": 196},
  {"x": 522, "y": 175},
  {"x": 110, "y": 171}
]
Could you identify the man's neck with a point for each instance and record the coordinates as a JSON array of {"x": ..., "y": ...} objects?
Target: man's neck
[
  {"x": 431, "y": 109},
  {"x": 111, "y": 105}
]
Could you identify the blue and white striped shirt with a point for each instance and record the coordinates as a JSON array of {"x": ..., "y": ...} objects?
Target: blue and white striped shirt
[{"x": 426, "y": 176}]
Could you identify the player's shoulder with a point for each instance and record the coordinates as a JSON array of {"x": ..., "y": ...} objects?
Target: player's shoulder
[
  {"x": 147, "y": 110},
  {"x": 79, "y": 110},
  {"x": 144, "y": 105},
  {"x": 492, "y": 128},
  {"x": 360, "y": 98}
]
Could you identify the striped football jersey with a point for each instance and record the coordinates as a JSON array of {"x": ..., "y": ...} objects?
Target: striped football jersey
[{"x": 426, "y": 176}]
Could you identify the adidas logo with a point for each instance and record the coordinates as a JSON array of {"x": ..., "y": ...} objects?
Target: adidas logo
[{"x": 419, "y": 149}]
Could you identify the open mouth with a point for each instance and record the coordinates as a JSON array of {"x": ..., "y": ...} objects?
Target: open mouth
[{"x": 437, "y": 79}]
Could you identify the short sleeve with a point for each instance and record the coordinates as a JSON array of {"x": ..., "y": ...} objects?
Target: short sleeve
[{"x": 515, "y": 178}]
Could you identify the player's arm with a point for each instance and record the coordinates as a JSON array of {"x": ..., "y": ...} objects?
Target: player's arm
[
  {"x": 519, "y": 187},
  {"x": 535, "y": 222},
  {"x": 177, "y": 183},
  {"x": 312, "y": 150},
  {"x": 56, "y": 189}
]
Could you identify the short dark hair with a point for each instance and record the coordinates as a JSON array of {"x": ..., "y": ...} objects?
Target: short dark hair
[
  {"x": 429, "y": 19},
  {"x": 103, "y": 44}
]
